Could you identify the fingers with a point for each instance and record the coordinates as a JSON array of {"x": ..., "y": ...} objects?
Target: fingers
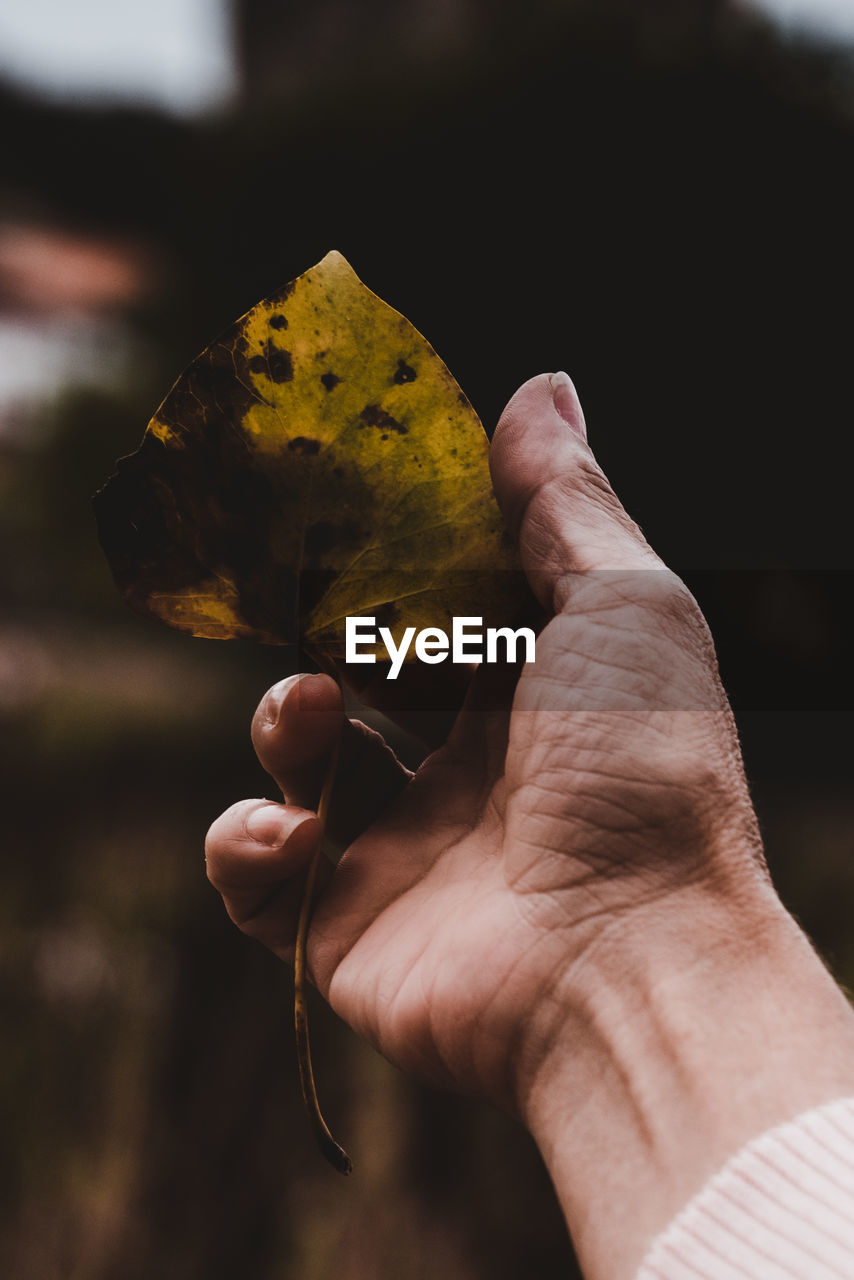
[
  {"x": 294, "y": 732},
  {"x": 555, "y": 496},
  {"x": 257, "y": 853}
]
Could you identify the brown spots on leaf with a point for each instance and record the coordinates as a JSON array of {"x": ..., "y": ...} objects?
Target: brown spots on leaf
[
  {"x": 330, "y": 380},
  {"x": 176, "y": 518},
  {"x": 277, "y": 364},
  {"x": 404, "y": 373},
  {"x": 373, "y": 415},
  {"x": 281, "y": 364},
  {"x": 278, "y": 321},
  {"x": 305, "y": 445},
  {"x": 387, "y": 615}
]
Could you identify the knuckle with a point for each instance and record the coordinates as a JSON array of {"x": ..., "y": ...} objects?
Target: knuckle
[
  {"x": 590, "y": 483},
  {"x": 674, "y": 598},
  {"x": 684, "y": 618},
  {"x": 589, "y": 476},
  {"x": 658, "y": 593}
]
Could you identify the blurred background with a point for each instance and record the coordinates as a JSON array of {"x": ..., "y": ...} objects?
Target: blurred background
[{"x": 658, "y": 198}]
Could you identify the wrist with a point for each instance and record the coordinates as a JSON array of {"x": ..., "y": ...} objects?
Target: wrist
[{"x": 688, "y": 1027}]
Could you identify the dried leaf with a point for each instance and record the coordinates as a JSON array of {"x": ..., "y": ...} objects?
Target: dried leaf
[{"x": 317, "y": 460}]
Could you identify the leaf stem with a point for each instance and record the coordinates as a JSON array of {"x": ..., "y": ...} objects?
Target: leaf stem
[{"x": 333, "y": 1151}]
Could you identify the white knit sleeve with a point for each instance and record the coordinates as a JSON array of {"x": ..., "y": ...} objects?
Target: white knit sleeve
[{"x": 781, "y": 1209}]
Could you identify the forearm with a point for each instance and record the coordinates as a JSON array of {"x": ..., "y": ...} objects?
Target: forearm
[{"x": 687, "y": 1030}]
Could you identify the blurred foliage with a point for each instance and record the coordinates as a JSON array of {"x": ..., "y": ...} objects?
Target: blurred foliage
[{"x": 663, "y": 205}]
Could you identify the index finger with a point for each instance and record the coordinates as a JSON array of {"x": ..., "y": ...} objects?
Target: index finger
[{"x": 295, "y": 730}]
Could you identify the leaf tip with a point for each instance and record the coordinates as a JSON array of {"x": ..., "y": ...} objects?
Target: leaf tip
[{"x": 336, "y": 261}]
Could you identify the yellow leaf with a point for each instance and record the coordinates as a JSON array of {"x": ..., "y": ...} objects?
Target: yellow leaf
[{"x": 317, "y": 461}]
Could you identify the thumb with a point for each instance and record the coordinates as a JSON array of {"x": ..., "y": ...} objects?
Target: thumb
[{"x": 555, "y": 496}]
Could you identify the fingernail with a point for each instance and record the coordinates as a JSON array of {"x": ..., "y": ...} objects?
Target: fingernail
[
  {"x": 276, "y": 696},
  {"x": 566, "y": 402},
  {"x": 266, "y": 824}
]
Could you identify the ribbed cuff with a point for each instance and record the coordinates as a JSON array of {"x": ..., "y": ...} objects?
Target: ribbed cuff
[{"x": 781, "y": 1209}]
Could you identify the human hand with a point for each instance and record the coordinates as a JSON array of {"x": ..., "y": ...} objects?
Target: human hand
[
  {"x": 580, "y": 840},
  {"x": 613, "y": 783}
]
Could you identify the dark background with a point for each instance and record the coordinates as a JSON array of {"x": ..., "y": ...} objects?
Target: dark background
[{"x": 660, "y": 202}]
